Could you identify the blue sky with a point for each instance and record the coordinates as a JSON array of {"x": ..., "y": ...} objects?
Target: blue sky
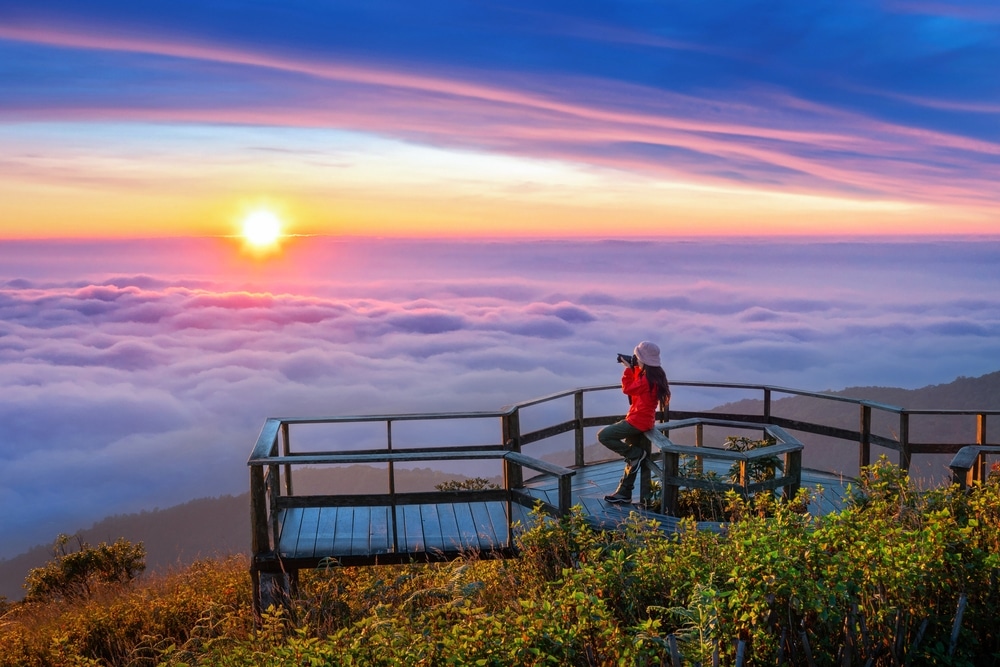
[{"x": 715, "y": 118}]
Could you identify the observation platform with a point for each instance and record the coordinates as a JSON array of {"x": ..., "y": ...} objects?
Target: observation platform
[{"x": 553, "y": 467}]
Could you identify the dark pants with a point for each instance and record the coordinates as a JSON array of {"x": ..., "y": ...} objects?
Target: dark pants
[{"x": 628, "y": 441}]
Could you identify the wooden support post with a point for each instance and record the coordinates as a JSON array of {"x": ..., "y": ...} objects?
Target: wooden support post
[
  {"x": 392, "y": 489},
  {"x": 565, "y": 494},
  {"x": 510, "y": 425},
  {"x": 793, "y": 473},
  {"x": 578, "y": 417},
  {"x": 286, "y": 447},
  {"x": 669, "y": 490},
  {"x": 865, "y": 446},
  {"x": 273, "y": 491},
  {"x": 274, "y": 590},
  {"x": 260, "y": 542},
  {"x": 699, "y": 441},
  {"x": 508, "y": 468},
  {"x": 981, "y": 471},
  {"x": 904, "y": 441}
]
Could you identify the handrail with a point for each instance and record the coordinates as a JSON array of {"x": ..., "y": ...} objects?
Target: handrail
[
  {"x": 275, "y": 434},
  {"x": 265, "y": 490},
  {"x": 273, "y": 451},
  {"x": 671, "y": 480},
  {"x": 969, "y": 466}
]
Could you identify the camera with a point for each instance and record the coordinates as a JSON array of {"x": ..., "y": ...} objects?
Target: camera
[{"x": 626, "y": 359}]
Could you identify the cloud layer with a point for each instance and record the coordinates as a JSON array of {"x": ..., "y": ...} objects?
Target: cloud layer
[{"x": 131, "y": 390}]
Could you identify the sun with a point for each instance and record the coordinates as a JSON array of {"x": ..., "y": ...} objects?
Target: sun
[{"x": 262, "y": 229}]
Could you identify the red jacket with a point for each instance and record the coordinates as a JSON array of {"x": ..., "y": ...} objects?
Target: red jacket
[{"x": 643, "y": 400}]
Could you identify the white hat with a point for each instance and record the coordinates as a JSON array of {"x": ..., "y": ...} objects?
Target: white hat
[{"x": 648, "y": 353}]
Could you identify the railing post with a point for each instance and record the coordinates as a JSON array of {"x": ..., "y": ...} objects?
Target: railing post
[
  {"x": 578, "y": 416},
  {"x": 669, "y": 489},
  {"x": 865, "y": 446},
  {"x": 767, "y": 405},
  {"x": 260, "y": 540},
  {"x": 904, "y": 440},
  {"x": 273, "y": 491},
  {"x": 565, "y": 495},
  {"x": 699, "y": 441},
  {"x": 286, "y": 448},
  {"x": 981, "y": 440},
  {"x": 511, "y": 433},
  {"x": 793, "y": 472},
  {"x": 508, "y": 468},
  {"x": 392, "y": 488}
]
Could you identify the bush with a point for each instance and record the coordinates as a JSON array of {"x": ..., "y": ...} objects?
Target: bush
[
  {"x": 879, "y": 583},
  {"x": 182, "y": 614},
  {"x": 73, "y": 575},
  {"x": 706, "y": 505}
]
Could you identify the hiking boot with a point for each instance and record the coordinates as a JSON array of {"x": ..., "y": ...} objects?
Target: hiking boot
[{"x": 616, "y": 499}]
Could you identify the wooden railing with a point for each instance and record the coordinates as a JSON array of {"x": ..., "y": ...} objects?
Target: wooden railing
[
  {"x": 270, "y": 491},
  {"x": 903, "y": 443},
  {"x": 969, "y": 464},
  {"x": 273, "y": 451},
  {"x": 672, "y": 478}
]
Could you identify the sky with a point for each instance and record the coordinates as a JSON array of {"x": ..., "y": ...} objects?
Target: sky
[
  {"x": 482, "y": 203},
  {"x": 479, "y": 118}
]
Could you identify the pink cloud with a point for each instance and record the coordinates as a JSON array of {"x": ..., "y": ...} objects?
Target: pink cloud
[{"x": 767, "y": 136}]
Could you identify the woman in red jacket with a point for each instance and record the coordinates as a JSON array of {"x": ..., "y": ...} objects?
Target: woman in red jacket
[{"x": 645, "y": 383}]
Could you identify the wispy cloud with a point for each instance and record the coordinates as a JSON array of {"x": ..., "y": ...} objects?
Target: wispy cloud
[{"x": 670, "y": 95}]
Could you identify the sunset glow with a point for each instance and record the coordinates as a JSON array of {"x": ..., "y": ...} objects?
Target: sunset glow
[{"x": 365, "y": 134}]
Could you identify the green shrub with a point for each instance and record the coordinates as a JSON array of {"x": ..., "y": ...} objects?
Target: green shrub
[
  {"x": 878, "y": 583},
  {"x": 706, "y": 505},
  {"x": 73, "y": 575}
]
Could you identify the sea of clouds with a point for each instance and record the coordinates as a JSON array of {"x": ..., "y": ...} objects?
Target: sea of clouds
[{"x": 137, "y": 374}]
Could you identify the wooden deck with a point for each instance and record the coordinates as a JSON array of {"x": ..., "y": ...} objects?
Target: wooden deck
[
  {"x": 292, "y": 531},
  {"x": 352, "y": 535},
  {"x": 372, "y": 535}
]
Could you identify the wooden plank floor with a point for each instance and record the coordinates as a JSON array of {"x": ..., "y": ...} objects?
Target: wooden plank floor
[{"x": 364, "y": 535}]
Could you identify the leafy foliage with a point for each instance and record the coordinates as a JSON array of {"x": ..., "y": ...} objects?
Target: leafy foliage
[
  {"x": 471, "y": 484},
  {"x": 710, "y": 505},
  {"x": 880, "y": 583},
  {"x": 75, "y": 574}
]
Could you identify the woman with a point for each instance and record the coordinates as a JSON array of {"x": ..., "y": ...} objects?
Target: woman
[{"x": 645, "y": 384}]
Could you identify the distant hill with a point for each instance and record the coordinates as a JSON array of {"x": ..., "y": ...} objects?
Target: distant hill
[{"x": 219, "y": 526}]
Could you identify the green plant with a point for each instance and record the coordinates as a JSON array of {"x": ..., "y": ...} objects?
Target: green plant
[
  {"x": 74, "y": 574},
  {"x": 471, "y": 484},
  {"x": 756, "y": 470},
  {"x": 879, "y": 583},
  {"x": 716, "y": 505}
]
